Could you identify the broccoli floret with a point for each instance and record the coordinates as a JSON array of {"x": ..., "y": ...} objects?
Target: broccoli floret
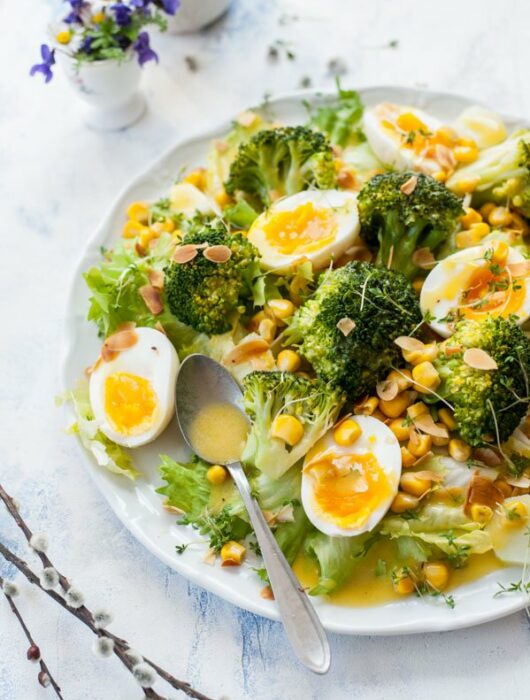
[
  {"x": 502, "y": 173},
  {"x": 486, "y": 402},
  {"x": 208, "y": 295},
  {"x": 347, "y": 328},
  {"x": 282, "y": 161},
  {"x": 269, "y": 394},
  {"x": 401, "y": 223}
]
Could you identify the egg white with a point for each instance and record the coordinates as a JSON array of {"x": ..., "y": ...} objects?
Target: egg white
[
  {"x": 343, "y": 206},
  {"x": 445, "y": 283},
  {"x": 377, "y": 439},
  {"x": 187, "y": 199},
  {"x": 154, "y": 358},
  {"x": 387, "y": 144}
]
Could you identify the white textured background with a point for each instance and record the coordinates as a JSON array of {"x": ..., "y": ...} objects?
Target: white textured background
[{"x": 56, "y": 180}]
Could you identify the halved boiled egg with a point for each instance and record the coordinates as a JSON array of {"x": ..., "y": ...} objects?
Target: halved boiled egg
[
  {"x": 315, "y": 225},
  {"x": 484, "y": 127},
  {"x": 491, "y": 279},
  {"x": 132, "y": 394},
  {"x": 403, "y": 137},
  {"x": 348, "y": 488}
]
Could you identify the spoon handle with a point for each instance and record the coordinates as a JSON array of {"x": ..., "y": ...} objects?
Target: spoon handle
[{"x": 303, "y": 628}]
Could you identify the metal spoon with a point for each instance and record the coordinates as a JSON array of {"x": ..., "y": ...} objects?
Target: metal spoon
[{"x": 202, "y": 381}]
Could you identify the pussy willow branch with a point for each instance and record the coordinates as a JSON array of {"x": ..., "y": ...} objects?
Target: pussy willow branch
[
  {"x": 43, "y": 666},
  {"x": 82, "y": 613}
]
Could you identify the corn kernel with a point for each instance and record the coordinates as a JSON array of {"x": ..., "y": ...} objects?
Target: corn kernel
[
  {"x": 466, "y": 185},
  {"x": 63, "y": 37},
  {"x": 417, "y": 284},
  {"x": 403, "y": 584},
  {"x": 366, "y": 407},
  {"x": 403, "y": 502},
  {"x": 501, "y": 251},
  {"x": 459, "y": 450},
  {"x": 427, "y": 353},
  {"x": 407, "y": 458},
  {"x": 516, "y": 513},
  {"x": 426, "y": 378},
  {"x": 417, "y": 409},
  {"x": 436, "y": 574},
  {"x": 440, "y": 175},
  {"x": 408, "y": 121},
  {"x": 400, "y": 429},
  {"x": 267, "y": 329},
  {"x": 500, "y": 217},
  {"x": 288, "y": 361},
  {"x": 147, "y": 236},
  {"x": 296, "y": 287},
  {"x": 232, "y": 553},
  {"x": 222, "y": 198},
  {"x": 465, "y": 154},
  {"x": 439, "y": 441},
  {"x": 287, "y": 428},
  {"x": 216, "y": 475},
  {"x": 486, "y": 209},
  {"x": 403, "y": 378},
  {"x": 138, "y": 211},
  {"x": 447, "y": 418},
  {"x": 414, "y": 485},
  {"x": 197, "y": 178},
  {"x": 419, "y": 444},
  {"x": 281, "y": 309},
  {"x": 471, "y": 216},
  {"x": 446, "y": 136},
  {"x": 480, "y": 513},
  {"x": 467, "y": 239},
  {"x": 347, "y": 432},
  {"x": 396, "y": 406},
  {"x": 132, "y": 229}
]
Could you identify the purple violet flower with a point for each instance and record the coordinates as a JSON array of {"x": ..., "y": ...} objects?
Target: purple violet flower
[
  {"x": 122, "y": 14},
  {"x": 86, "y": 45},
  {"x": 144, "y": 50},
  {"x": 75, "y": 15},
  {"x": 48, "y": 60},
  {"x": 171, "y": 6}
]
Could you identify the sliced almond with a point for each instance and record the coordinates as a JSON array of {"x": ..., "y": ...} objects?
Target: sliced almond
[
  {"x": 487, "y": 456},
  {"x": 405, "y": 342},
  {"x": 267, "y": 593},
  {"x": 479, "y": 359},
  {"x": 445, "y": 157},
  {"x": 172, "y": 509},
  {"x": 156, "y": 278},
  {"x": 184, "y": 253},
  {"x": 429, "y": 475},
  {"x": 90, "y": 370},
  {"x": 409, "y": 186},
  {"x": 269, "y": 516},
  {"x": 245, "y": 350},
  {"x": 483, "y": 491},
  {"x": 108, "y": 355},
  {"x": 426, "y": 424},
  {"x": 346, "y": 326},
  {"x": 522, "y": 482},
  {"x": 519, "y": 269},
  {"x": 387, "y": 389},
  {"x": 423, "y": 258},
  {"x": 121, "y": 340},
  {"x": 218, "y": 253},
  {"x": 152, "y": 299},
  {"x": 451, "y": 350},
  {"x": 285, "y": 514},
  {"x": 141, "y": 252}
]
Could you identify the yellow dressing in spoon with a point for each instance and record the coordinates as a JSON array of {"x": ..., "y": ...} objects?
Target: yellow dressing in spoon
[{"x": 219, "y": 432}]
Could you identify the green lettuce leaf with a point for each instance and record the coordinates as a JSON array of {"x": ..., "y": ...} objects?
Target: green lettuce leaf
[
  {"x": 341, "y": 120},
  {"x": 106, "y": 452}
]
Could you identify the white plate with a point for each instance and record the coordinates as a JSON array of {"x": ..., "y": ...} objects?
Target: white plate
[{"x": 138, "y": 506}]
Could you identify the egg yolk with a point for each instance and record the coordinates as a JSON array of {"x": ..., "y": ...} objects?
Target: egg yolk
[
  {"x": 348, "y": 488},
  {"x": 131, "y": 403},
  {"x": 492, "y": 292},
  {"x": 301, "y": 230}
]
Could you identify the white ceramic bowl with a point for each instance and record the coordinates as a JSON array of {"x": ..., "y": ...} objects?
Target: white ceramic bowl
[{"x": 195, "y": 14}]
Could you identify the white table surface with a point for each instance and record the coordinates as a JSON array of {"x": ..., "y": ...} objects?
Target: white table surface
[{"x": 56, "y": 180}]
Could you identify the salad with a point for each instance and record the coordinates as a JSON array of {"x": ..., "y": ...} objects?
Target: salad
[{"x": 364, "y": 277}]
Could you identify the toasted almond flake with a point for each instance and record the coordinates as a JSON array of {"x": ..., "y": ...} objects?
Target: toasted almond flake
[
  {"x": 405, "y": 342},
  {"x": 429, "y": 475},
  {"x": 423, "y": 258},
  {"x": 267, "y": 593},
  {"x": 482, "y": 490},
  {"x": 523, "y": 482},
  {"x": 210, "y": 557},
  {"x": 218, "y": 253},
  {"x": 409, "y": 186},
  {"x": 108, "y": 355},
  {"x": 247, "y": 118},
  {"x": 121, "y": 340},
  {"x": 269, "y": 516},
  {"x": 346, "y": 326},
  {"x": 90, "y": 370},
  {"x": 422, "y": 459},
  {"x": 359, "y": 252},
  {"x": 487, "y": 456},
  {"x": 387, "y": 389},
  {"x": 452, "y": 350},
  {"x": 220, "y": 146},
  {"x": 184, "y": 253},
  {"x": 479, "y": 359},
  {"x": 172, "y": 509},
  {"x": 445, "y": 156},
  {"x": 285, "y": 514},
  {"x": 160, "y": 327},
  {"x": 141, "y": 252},
  {"x": 156, "y": 278},
  {"x": 152, "y": 299},
  {"x": 426, "y": 424},
  {"x": 519, "y": 269},
  {"x": 414, "y": 437},
  {"x": 245, "y": 350}
]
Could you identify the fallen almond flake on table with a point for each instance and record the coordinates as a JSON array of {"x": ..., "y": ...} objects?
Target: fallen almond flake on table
[
  {"x": 267, "y": 593},
  {"x": 479, "y": 359},
  {"x": 152, "y": 299},
  {"x": 387, "y": 389},
  {"x": 409, "y": 186}
]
